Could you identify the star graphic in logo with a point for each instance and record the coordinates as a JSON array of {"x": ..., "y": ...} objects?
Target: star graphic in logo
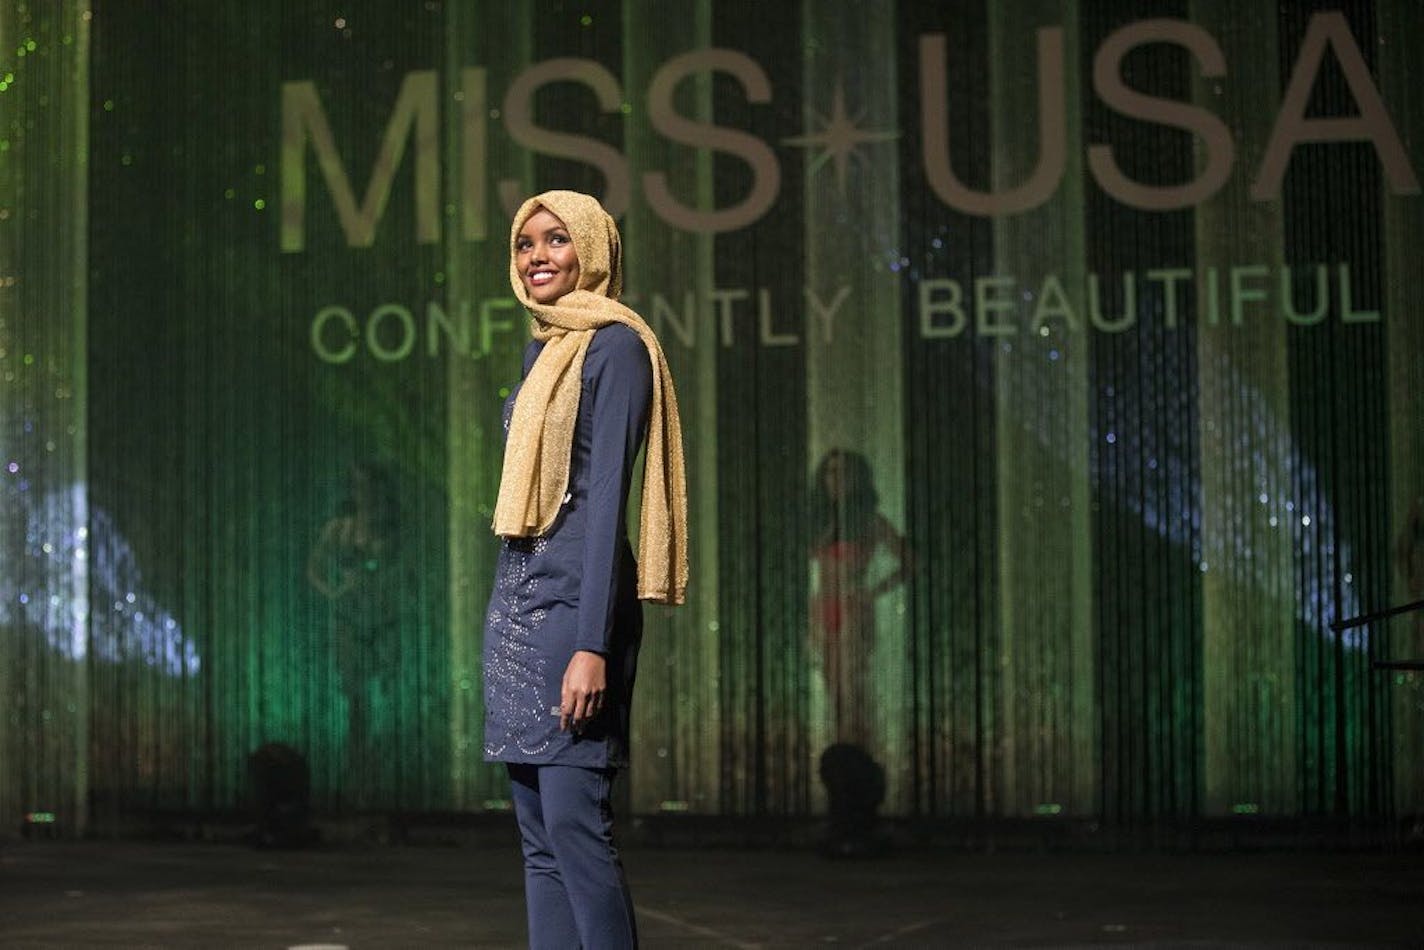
[{"x": 840, "y": 137}]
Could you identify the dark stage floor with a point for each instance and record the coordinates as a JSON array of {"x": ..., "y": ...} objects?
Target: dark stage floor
[{"x": 126, "y": 894}]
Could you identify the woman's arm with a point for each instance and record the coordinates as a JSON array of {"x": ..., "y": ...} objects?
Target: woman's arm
[
  {"x": 893, "y": 541},
  {"x": 620, "y": 391},
  {"x": 319, "y": 560}
]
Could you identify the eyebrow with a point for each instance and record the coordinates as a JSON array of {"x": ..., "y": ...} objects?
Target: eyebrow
[{"x": 547, "y": 231}]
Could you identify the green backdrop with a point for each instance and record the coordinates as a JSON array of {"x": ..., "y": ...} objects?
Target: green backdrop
[{"x": 1117, "y": 302}]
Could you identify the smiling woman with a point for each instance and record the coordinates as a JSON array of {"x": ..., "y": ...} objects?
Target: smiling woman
[
  {"x": 564, "y": 625},
  {"x": 544, "y": 253}
]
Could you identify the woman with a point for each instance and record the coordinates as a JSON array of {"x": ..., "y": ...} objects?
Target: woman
[
  {"x": 848, "y": 530},
  {"x": 564, "y": 623},
  {"x": 356, "y": 564}
]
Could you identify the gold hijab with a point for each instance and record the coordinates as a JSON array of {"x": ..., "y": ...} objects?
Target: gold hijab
[{"x": 541, "y": 431}]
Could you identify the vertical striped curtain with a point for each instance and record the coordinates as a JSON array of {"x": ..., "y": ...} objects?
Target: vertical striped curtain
[{"x": 1028, "y": 498}]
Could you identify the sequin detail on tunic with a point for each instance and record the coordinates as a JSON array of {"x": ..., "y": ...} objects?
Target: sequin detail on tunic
[{"x": 517, "y": 669}]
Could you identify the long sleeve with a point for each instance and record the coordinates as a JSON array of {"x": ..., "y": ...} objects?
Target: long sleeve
[{"x": 619, "y": 387}]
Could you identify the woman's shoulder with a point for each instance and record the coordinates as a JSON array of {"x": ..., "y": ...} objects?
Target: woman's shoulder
[
  {"x": 617, "y": 338},
  {"x": 618, "y": 345},
  {"x": 617, "y": 349}
]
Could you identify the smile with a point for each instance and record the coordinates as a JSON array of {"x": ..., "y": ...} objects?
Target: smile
[{"x": 540, "y": 277}]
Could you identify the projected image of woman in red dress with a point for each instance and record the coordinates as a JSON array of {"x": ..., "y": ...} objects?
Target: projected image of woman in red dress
[{"x": 847, "y": 531}]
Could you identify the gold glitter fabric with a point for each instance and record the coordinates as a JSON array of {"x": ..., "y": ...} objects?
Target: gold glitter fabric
[{"x": 541, "y": 429}]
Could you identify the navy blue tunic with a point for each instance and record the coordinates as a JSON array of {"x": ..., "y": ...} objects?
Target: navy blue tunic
[{"x": 575, "y": 587}]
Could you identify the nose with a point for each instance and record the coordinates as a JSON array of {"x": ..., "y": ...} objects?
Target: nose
[{"x": 539, "y": 253}]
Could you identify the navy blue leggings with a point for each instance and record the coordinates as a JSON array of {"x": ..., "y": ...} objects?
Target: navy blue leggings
[{"x": 574, "y": 888}]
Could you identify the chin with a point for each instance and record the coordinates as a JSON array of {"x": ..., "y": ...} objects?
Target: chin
[{"x": 545, "y": 294}]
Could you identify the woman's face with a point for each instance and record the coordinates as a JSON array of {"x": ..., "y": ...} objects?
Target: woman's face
[{"x": 545, "y": 258}]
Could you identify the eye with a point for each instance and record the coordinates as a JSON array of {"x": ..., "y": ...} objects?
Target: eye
[
  {"x": 523, "y": 244},
  {"x": 559, "y": 239}
]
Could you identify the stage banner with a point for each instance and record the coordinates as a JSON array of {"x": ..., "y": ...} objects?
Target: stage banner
[{"x": 1050, "y": 374}]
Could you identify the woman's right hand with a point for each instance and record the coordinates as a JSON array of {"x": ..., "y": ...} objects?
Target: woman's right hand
[{"x": 584, "y": 688}]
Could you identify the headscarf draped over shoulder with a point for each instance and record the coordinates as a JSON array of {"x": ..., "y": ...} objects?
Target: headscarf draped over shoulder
[{"x": 540, "y": 445}]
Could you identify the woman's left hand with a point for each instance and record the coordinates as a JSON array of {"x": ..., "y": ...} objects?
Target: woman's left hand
[{"x": 585, "y": 682}]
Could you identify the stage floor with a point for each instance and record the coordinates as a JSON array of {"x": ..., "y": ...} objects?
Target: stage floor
[{"x": 127, "y": 894}]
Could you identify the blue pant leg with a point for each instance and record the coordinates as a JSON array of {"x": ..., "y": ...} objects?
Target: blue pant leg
[
  {"x": 551, "y": 916},
  {"x": 578, "y": 816}
]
